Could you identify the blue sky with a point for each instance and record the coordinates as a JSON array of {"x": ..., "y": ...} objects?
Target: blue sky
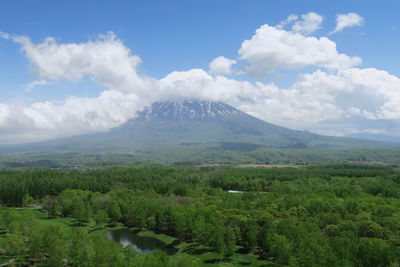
[{"x": 182, "y": 35}]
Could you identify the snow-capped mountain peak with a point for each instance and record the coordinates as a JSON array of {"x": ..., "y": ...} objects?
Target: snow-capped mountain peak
[{"x": 188, "y": 110}]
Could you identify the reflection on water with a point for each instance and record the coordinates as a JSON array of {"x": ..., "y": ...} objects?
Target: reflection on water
[{"x": 138, "y": 243}]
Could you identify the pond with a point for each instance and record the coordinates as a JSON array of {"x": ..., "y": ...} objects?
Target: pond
[{"x": 139, "y": 243}]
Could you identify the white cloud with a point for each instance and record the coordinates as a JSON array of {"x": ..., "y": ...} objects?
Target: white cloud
[
  {"x": 198, "y": 84},
  {"x": 347, "y": 20},
  {"x": 75, "y": 115},
  {"x": 271, "y": 48},
  {"x": 306, "y": 103},
  {"x": 288, "y": 20},
  {"x": 308, "y": 24},
  {"x": 344, "y": 102},
  {"x": 355, "y": 99},
  {"x": 221, "y": 65},
  {"x": 106, "y": 60},
  {"x": 30, "y": 86}
]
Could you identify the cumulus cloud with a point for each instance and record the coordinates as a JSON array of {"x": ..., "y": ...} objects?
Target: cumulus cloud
[
  {"x": 198, "y": 84},
  {"x": 355, "y": 99},
  {"x": 347, "y": 20},
  {"x": 271, "y": 48},
  {"x": 308, "y": 24},
  {"x": 106, "y": 60},
  {"x": 221, "y": 65},
  {"x": 75, "y": 115},
  {"x": 347, "y": 101}
]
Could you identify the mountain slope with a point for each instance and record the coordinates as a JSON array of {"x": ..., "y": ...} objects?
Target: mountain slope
[{"x": 192, "y": 122}]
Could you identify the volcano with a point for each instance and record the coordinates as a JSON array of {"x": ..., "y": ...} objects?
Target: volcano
[{"x": 191, "y": 122}]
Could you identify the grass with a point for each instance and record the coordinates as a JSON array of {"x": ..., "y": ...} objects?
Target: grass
[
  {"x": 164, "y": 238},
  {"x": 191, "y": 253},
  {"x": 64, "y": 223}
]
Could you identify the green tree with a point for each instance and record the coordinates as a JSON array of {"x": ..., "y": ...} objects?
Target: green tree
[
  {"x": 107, "y": 254},
  {"x": 27, "y": 200},
  {"x": 114, "y": 211},
  {"x": 53, "y": 245},
  {"x": 80, "y": 211},
  {"x": 230, "y": 242},
  {"x": 82, "y": 252},
  {"x": 281, "y": 249},
  {"x": 218, "y": 241},
  {"x": 16, "y": 246},
  {"x": 101, "y": 216},
  {"x": 250, "y": 236},
  {"x": 375, "y": 252}
]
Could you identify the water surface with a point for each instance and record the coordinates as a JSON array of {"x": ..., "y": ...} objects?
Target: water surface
[{"x": 139, "y": 243}]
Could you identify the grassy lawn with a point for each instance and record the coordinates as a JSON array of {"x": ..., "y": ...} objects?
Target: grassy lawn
[
  {"x": 164, "y": 238},
  {"x": 192, "y": 253}
]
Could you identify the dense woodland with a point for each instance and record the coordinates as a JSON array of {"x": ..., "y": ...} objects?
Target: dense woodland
[{"x": 336, "y": 215}]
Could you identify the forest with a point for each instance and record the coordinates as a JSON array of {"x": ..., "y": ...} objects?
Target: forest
[{"x": 318, "y": 215}]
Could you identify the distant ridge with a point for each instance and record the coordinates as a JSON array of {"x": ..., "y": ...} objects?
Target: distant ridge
[{"x": 376, "y": 137}]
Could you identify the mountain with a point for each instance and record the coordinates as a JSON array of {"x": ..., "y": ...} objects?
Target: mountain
[{"x": 193, "y": 123}]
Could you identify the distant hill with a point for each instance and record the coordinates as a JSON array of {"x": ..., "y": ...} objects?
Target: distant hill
[
  {"x": 193, "y": 123},
  {"x": 376, "y": 137}
]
